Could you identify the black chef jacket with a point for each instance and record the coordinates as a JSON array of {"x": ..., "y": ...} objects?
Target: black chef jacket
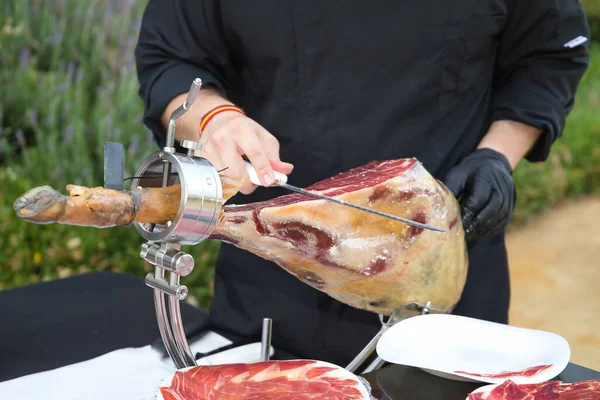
[{"x": 341, "y": 83}]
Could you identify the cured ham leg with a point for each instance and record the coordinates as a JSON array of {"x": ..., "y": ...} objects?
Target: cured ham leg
[{"x": 363, "y": 260}]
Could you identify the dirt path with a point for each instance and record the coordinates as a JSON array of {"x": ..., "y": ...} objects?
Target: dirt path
[{"x": 555, "y": 273}]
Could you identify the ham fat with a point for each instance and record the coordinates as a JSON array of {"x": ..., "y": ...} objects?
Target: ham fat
[
  {"x": 266, "y": 380},
  {"x": 363, "y": 260}
]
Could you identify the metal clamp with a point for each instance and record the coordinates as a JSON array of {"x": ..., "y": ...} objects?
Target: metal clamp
[
  {"x": 399, "y": 314},
  {"x": 198, "y": 212}
]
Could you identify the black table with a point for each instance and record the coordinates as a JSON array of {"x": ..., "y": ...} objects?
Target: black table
[
  {"x": 400, "y": 382},
  {"x": 62, "y": 322}
]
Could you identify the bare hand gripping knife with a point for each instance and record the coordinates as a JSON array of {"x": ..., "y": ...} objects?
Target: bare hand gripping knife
[{"x": 199, "y": 210}]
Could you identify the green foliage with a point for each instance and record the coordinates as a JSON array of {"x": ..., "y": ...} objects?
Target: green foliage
[
  {"x": 592, "y": 8},
  {"x": 67, "y": 84},
  {"x": 573, "y": 168}
]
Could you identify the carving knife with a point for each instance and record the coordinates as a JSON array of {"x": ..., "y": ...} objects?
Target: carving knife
[{"x": 281, "y": 181}]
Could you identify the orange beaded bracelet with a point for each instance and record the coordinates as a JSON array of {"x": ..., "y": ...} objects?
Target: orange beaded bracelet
[{"x": 209, "y": 115}]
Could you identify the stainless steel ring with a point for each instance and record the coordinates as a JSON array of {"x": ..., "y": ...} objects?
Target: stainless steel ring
[{"x": 201, "y": 197}]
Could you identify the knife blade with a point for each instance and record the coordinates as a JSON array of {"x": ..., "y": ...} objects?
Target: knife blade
[
  {"x": 281, "y": 181},
  {"x": 114, "y": 160}
]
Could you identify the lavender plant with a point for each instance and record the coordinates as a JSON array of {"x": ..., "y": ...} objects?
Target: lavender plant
[{"x": 67, "y": 85}]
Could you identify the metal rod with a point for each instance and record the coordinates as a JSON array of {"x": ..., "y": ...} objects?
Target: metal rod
[
  {"x": 378, "y": 361},
  {"x": 266, "y": 339},
  {"x": 177, "y": 326},
  {"x": 180, "y": 292},
  {"x": 191, "y": 97},
  {"x": 163, "y": 323},
  {"x": 366, "y": 351},
  {"x": 375, "y": 365}
]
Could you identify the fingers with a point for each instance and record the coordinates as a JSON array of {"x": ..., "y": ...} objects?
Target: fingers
[
  {"x": 271, "y": 147},
  {"x": 208, "y": 152},
  {"x": 225, "y": 145},
  {"x": 477, "y": 195},
  {"x": 239, "y": 136},
  {"x": 250, "y": 146},
  {"x": 489, "y": 217},
  {"x": 455, "y": 181}
]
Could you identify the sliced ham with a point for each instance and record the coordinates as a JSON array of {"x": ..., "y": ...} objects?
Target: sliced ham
[
  {"x": 267, "y": 380},
  {"x": 552, "y": 390}
]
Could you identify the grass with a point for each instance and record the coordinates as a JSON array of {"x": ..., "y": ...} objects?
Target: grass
[{"x": 67, "y": 84}]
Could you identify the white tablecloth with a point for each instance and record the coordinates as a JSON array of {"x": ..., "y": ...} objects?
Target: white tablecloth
[{"x": 126, "y": 374}]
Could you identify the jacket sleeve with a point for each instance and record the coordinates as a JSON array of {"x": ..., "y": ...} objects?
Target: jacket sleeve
[
  {"x": 179, "y": 40},
  {"x": 542, "y": 56}
]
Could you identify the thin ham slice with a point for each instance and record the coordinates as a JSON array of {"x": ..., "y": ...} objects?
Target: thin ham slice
[
  {"x": 267, "y": 380},
  {"x": 551, "y": 390},
  {"x": 361, "y": 259},
  {"x": 528, "y": 372}
]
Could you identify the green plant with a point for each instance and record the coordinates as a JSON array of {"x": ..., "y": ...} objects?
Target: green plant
[
  {"x": 573, "y": 168},
  {"x": 68, "y": 85}
]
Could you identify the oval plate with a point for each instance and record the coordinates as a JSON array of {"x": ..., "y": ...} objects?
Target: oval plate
[{"x": 444, "y": 345}]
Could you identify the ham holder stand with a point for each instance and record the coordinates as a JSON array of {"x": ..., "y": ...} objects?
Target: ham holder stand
[{"x": 199, "y": 210}]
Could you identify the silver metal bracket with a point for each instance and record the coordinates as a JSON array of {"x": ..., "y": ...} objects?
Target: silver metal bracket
[
  {"x": 407, "y": 311},
  {"x": 199, "y": 208}
]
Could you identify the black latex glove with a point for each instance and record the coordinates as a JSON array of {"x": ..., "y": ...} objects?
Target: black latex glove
[{"x": 483, "y": 184}]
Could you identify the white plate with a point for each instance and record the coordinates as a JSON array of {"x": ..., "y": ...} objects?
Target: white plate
[
  {"x": 342, "y": 374},
  {"x": 443, "y": 344}
]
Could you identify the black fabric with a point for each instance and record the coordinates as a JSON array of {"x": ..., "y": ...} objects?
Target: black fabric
[
  {"x": 65, "y": 321},
  {"x": 341, "y": 83},
  {"x": 483, "y": 183}
]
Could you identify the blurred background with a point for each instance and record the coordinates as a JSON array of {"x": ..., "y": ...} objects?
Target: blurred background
[{"x": 68, "y": 84}]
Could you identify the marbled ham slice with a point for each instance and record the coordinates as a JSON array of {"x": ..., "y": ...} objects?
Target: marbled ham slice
[
  {"x": 528, "y": 372},
  {"x": 267, "y": 380},
  {"x": 552, "y": 390},
  {"x": 363, "y": 260}
]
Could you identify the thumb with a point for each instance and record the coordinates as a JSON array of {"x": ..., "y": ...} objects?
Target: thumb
[{"x": 280, "y": 166}]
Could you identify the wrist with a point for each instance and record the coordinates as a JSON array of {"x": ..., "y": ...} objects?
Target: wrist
[
  {"x": 510, "y": 138},
  {"x": 223, "y": 110},
  {"x": 187, "y": 124}
]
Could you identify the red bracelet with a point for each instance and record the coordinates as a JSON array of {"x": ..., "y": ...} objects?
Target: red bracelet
[{"x": 209, "y": 115}]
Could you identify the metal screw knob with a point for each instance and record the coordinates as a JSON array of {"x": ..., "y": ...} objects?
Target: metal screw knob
[
  {"x": 183, "y": 264},
  {"x": 193, "y": 147}
]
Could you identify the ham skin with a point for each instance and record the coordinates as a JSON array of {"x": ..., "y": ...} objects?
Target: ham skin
[
  {"x": 265, "y": 380},
  {"x": 363, "y": 260}
]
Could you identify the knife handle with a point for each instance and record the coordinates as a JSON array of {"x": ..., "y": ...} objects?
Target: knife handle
[{"x": 279, "y": 177}]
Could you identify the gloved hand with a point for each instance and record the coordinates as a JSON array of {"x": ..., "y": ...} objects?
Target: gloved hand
[{"x": 483, "y": 184}]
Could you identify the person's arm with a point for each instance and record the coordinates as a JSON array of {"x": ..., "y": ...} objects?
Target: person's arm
[
  {"x": 511, "y": 138},
  {"x": 542, "y": 56},
  {"x": 181, "y": 40}
]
